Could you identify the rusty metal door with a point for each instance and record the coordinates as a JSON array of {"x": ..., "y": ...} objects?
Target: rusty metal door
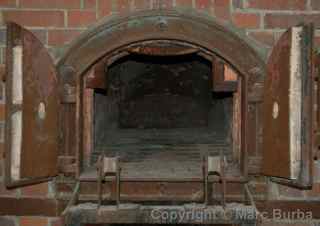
[
  {"x": 288, "y": 108},
  {"x": 32, "y": 105}
]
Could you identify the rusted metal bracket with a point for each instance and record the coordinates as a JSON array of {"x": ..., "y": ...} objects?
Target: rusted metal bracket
[
  {"x": 69, "y": 94},
  {"x": 215, "y": 165},
  {"x": 108, "y": 167},
  {"x": 249, "y": 195},
  {"x": 74, "y": 198}
]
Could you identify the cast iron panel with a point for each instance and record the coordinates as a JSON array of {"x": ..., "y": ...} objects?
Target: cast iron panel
[
  {"x": 287, "y": 132},
  {"x": 32, "y": 98}
]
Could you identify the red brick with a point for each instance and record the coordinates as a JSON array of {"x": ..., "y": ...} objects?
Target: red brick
[
  {"x": 246, "y": 20},
  {"x": 288, "y": 20},
  {"x": 278, "y": 4},
  {"x": 60, "y": 37},
  {"x": 81, "y": 18},
  {"x": 222, "y": 9},
  {"x": 184, "y": 3},
  {"x": 35, "y": 190},
  {"x": 33, "y": 221},
  {"x": 90, "y": 4},
  {"x": 105, "y": 8},
  {"x": 204, "y": 4},
  {"x": 50, "y": 4},
  {"x": 7, "y": 3},
  {"x": 35, "y": 18},
  {"x": 264, "y": 37}
]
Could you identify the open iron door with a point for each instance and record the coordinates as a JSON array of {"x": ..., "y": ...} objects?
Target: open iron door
[
  {"x": 288, "y": 109},
  {"x": 32, "y": 104}
]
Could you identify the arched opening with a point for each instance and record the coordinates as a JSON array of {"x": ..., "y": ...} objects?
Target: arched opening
[
  {"x": 161, "y": 116},
  {"x": 162, "y": 107},
  {"x": 126, "y": 47}
]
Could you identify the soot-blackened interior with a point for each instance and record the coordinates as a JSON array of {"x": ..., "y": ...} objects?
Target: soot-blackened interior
[{"x": 160, "y": 116}]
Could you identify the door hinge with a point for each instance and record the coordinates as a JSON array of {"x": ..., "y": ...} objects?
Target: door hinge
[{"x": 68, "y": 94}]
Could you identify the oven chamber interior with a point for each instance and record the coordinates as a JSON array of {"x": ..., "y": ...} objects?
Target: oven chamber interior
[
  {"x": 137, "y": 96},
  {"x": 162, "y": 107}
]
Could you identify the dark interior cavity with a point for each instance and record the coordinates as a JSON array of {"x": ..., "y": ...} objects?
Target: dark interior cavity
[{"x": 160, "y": 116}]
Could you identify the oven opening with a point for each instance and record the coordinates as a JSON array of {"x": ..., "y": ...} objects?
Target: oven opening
[{"x": 161, "y": 117}]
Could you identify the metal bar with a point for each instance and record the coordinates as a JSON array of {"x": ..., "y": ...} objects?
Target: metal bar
[
  {"x": 253, "y": 204},
  {"x": 230, "y": 179},
  {"x": 205, "y": 180},
  {"x": 78, "y": 123},
  {"x": 244, "y": 126},
  {"x": 223, "y": 180},
  {"x": 118, "y": 183},
  {"x": 106, "y": 167},
  {"x": 100, "y": 167},
  {"x": 74, "y": 198}
]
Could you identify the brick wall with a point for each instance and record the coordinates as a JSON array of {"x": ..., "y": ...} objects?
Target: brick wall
[{"x": 56, "y": 22}]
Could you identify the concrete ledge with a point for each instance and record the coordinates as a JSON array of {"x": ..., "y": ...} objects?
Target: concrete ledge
[{"x": 88, "y": 213}]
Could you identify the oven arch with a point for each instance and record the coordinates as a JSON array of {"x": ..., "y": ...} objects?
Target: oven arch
[{"x": 190, "y": 27}]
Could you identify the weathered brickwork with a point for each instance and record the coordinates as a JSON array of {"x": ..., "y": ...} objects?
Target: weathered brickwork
[{"x": 57, "y": 22}]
